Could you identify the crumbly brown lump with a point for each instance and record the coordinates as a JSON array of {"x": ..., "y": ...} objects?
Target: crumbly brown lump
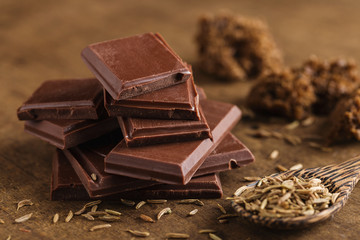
[
  {"x": 345, "y": 119},
  {"x": 332, "y": 80},
  {"x": 287, "y": 94},
  {"x": 235, "y": 48}
]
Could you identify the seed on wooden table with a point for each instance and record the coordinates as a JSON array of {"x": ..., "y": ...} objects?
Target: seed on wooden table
[
  {"x": 156, "y": 201},
  {"x": 226, "y": 216},
  {"x": 101, "y": 226},
  {"x": 292, "y": 125},
  {"x": 296, "y": 167},
  {"x": 274, "y": 154},
  {"x": 25, "y": 230},
  {"x": 139, "y": 233},
  {"x": 146, "y": 218},
  {"x": 109, "y": 218},
  {"x": 207, "y": 231},
  {"x": 113, "y": 212},
  {"x": 162, "y": 212},
  {"x": 90, "y": 204},
  {"x": 128, "y": 203},
  {"x": 23, "y": 218},
  {"x": 94, "y": 208},
  {"x": 214, "y": 237},
  {"x": 308, "y": 121},
  {"x": 193, "y": 212},
  {"x": 2, "y": 221},
  {"x": 140, "y": 204},
  {"x": 93, "y": 176},
  {"x": 69, "y": 216},
  {"x": 223, "y": 221},
  {"x": 294, "y": 140},
  {"x": 88, "y": 217},
  {"x": 56, "y": 218},
  {"x": 8, "y": 238},
  {"x": 192, "y": 201},
  {"x": 251, "y": 179},
  {"x": 281, "y": 168},
  {"x": 97, "y": 213},
  {"x": 177, "y": 236},
  {"x": 222, "y": 209},
  {"x": 26, "y": 202}
]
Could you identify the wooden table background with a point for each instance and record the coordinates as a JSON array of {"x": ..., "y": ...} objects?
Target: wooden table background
[{"x": 42, "y": 40}]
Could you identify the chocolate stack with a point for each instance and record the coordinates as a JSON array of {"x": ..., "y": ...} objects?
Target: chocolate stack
[{"x": 140, "y": 130}]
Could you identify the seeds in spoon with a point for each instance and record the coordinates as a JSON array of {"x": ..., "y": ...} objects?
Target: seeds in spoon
[{"x": 286, "y": 197}]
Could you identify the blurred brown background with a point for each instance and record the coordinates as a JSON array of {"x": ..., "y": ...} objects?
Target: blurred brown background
[{"x": 42, "y": 40}]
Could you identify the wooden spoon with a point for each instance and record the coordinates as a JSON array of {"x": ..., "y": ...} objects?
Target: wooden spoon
[{"x": 340, "y": 178}]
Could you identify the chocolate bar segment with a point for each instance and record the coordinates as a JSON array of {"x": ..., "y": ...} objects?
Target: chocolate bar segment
[
  {"x": 65, "y": 99},
  {"x": 180, "y": 101},
  {"x": 67, "y": 186},
  {"x": 173, "y": 163},
  {"x": 231, "y": 153},
  {"x": 88, "y": 162},
  {"x": 132, "y": 66},
  {"x": 141, "y": 132},
  {"x": 69, "y": 133}
]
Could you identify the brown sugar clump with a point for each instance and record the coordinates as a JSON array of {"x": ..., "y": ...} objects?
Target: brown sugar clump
[
  {"x": 289, "y": 94},
  {"x": 332, "y": 80},
  {"x": 234, "y": 47},
  {"x": 345, "y": 119}
]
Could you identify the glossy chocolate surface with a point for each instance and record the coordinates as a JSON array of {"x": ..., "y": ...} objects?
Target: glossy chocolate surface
[
  {"x": 69, "y": 133},
  {"x": 64, "y": 99},
  {"x": 66, "y": 185},
  {"x": 141, "y": 132},
  {"x": 230, "y": 154},
  {"x": 86, "y": 162},
  {"x": 180, "y": 101},
  {"x": 135, "y": 65},
  {"x": 174, "y": 163}
]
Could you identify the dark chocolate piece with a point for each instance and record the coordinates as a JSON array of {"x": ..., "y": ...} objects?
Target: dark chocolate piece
[
  {"x": 67, "y": 186},
  {"x": 132, "y": 66},
  {"x": 173, "y": 163},
  {"x": 65, "y": 99},
  {"x": 69, "y": 133},
  {"x": 141, "y": 132},
  {"x": 87, "y": 162},
  {"x": 231, "y": 153},
  {"x": 180, "y": 101}
]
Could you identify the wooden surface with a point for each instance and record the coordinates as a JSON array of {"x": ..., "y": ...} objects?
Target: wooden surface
[{"x": 42, "y": 40}]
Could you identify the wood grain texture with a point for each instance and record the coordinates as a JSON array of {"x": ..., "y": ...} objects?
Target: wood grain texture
[{"x": 42, "y": 40}]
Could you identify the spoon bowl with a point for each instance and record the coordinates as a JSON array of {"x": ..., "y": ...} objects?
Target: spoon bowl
[{"x": 338, "y": 178}]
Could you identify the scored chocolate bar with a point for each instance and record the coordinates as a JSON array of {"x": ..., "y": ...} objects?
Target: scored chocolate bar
[
  {"x": 65, "y": 99},
  {"x": 69, "y": 133},
  {"x": 173, "y": 163},
  {"x": 141, "y": 132},
  {"x": 88, "y": 163},
  {"x": 66, "y": 185},
  {"x": 132, "y": 66},
  {"x": 180, "y": 101}
]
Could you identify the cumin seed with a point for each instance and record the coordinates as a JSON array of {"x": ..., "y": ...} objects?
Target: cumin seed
[
  {"x": 101, "y": 226},
  {"x": 138, "y": 233},
  {"x": 214, "y": 237},
  {"x": 140, "y": 204},
  {"x": 177, "y": 236},
  {"x": 56, "y": 218},
  {"x": 93, "y": 176},
  {"x": 222, "y": 209},
  {"x": 164, "y": 211},
  {"x": 156, "y": 201},
  {"x": 146, "y": 218},
  {"x": 25, "y": 202},
  {"x": 69, "y": 216},
  {"x": 23, "y": 218},
  {"x": 207, "y": 231},
  {"x": 193, "y": 212},
  {"x": 126, "y": 202}
]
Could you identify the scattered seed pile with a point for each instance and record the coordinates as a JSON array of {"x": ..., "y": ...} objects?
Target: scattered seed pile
[{"x": 285, "y": 197}]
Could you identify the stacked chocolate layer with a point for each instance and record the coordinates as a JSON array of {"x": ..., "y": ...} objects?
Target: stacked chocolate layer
[{"x": 141, "y": 129}]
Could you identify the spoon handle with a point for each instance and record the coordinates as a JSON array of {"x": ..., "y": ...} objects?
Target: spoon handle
[{"x": 340, "y": 177}]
